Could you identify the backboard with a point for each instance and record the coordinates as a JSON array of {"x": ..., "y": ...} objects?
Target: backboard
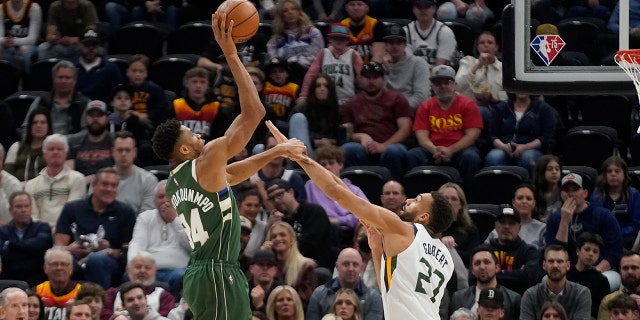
[{"x": 575, "y": 58}]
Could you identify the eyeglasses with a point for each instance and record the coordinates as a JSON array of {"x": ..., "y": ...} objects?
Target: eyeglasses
[
  {"x": 58, "y": 264},
  {"x": 441, "y": 82}
]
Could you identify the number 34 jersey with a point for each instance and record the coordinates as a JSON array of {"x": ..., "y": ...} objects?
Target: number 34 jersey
[
  {"x": 210, "y": 219},
  {"x": 414, "y": 281}
]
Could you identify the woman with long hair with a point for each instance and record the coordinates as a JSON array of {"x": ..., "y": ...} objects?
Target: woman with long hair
[
  {"x": 462, "y": 234},
  {"x": 346, "y": 305},
  {"x": 294, "y": 269},
  {"x": 614, "y": 191},
  {"x": 35, "y": 306},
  {"x": 553, "y": 310},
  {"x": 546, "y": 180},
  {"x": 294, "y": 39},
  {"x": 24, "y": 158},
  {"x": 284, "y": 304},
  {"x": 249, "y": 206}
]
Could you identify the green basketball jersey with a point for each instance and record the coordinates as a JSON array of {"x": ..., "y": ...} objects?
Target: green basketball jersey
[{"x": 210, "y": 219}]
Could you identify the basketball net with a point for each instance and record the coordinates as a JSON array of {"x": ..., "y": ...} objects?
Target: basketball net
[{"x": 629, "y": 61}]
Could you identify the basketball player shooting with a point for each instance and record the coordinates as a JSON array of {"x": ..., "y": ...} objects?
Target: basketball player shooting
[
  {"x": 199, "y": 189},
  {"x": 414, "y": 266}
]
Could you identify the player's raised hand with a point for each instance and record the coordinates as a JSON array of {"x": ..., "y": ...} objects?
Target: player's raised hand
[
  {"x": 280, "y": 138},
  {"x": 295, "y": 149},
  {"x": 222, "y": 33},
  {"x": 374, "y": 236}
]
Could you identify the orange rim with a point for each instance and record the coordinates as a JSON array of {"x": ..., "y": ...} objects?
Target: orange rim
[{"x": 628, "y": 56}]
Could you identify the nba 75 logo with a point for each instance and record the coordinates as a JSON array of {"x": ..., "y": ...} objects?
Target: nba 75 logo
[{"x": 547, "y": 47}]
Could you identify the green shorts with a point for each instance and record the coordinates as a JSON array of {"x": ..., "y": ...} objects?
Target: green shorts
[{"x": 216, "y": 291}]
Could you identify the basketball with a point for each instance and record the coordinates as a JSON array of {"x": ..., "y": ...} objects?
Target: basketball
[{"x": 245, "y": 18}]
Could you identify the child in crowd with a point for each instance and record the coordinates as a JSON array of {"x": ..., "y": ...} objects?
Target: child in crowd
[
  {"x": 279, "y": 94},
  {"x": 548, "y": 173},
  {"x": 148, "y": 99}
]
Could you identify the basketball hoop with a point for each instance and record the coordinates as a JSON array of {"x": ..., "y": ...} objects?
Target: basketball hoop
[{"x": 629, "y": 61}]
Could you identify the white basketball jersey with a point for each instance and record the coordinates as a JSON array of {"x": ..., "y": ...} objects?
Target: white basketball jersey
[
  {"x": 414, "y": 281},
  {"x": 340, "y": 69}
]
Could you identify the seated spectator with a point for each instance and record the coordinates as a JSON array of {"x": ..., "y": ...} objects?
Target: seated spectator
[
  {"x": 262, "y": 278},
  {"x": 624, "y": 307},
  {"x": 393, "y": 196},
  {"x": 294, "y": 39},
  {"x": 36, "y": 308},
  {"x": 56, "y": 184},
  {"x": 490, "y": 304},
  {"x": 317, "y": 121},
  {"x": 136, "y": 302},
  {"x": 553, "y": 310},
  {"x": 13, "y": 304},
  {"x": 365, "y": 32},
  {"x": 122, "y": 11},
  {"x": 140, "y": 270},
  {"x": 8, "y": 185},
  {"x": 634, "y": 19},
  {"x": 546, "y": 180},
  {"x": 630, "y": 278},
  {"x": 584, "y": 272},
  {"x": 464, "y": 314},
  {"x": 294, "y": 269},
  {"x": 159, "y": 232},
  {"x": 24, "y": 242},
  {"x": 79, "y": 310},
  {"x": 429, "y": 38},
  {"x": 462, "y": 234},
  {"x": 379, "y": 120},
  {"x": 59, "y": 290},
  {"x": 97, "y": 76},
  {"x": 95, "y": 296},
  {"x": 284, "y": 303},
  {"x": 148, "y": 99},
  {"x": 346, "y": 306},
  {"x": 252, "y": 52},
  {"x": 532, "y": 231},
  {"x": 475, "y": 14},
  {"x": 19, "y": 32},
  {"x": 24, "y": 159},
  {"x": 68, "y": 20},
  {"x": 520, "y": 131},
  {"x": 338, "y": 61},
  {"x": 95, "y": 229},
  {"x": 279, "y": 93},
  {"x": 249, "y": 206},
  {"x": 614, "y": 192},
  {"x": 332, "y": 158}
]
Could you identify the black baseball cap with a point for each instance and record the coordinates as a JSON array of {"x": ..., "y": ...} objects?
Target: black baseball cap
[
  {"x": 491, "y": 298},
  {"x": 506, "y": 210},
  {"x": 372, "y": 66},
  {"x": 263, "y": 255},
  {"x": 394, "y": 32}
]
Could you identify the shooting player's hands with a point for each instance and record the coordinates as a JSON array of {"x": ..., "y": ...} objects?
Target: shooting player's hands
[
  {"x": 222, "y": 33},
  {"x": 374, "y": 236}
]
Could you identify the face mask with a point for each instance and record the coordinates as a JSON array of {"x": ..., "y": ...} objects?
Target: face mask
[{"x": 445, "y": 96}]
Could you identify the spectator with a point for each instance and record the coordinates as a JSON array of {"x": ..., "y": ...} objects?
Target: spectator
[
  {"x": 624, "y": 307},
  {"x": 393, "y": 196},
  {"x": 24, "y": 159},
  {"x": 252, "y": 52},
  {"x": 547, "y": 183},
  {"x": 314, "y": 232},
  {"x": 532, "y": 231},
  {"x": 294, "y": 269},
  {"x": 94, "y": 230},
  {"x": 79, "y": 310},
  {"x": 24, "y": 242},
  {"x": 279, "y": 93},
  {"x": 475, "y": 14},
  {"x": 134, "y": 300},
  {"x": 365, "y": 32},
  {"x": 59, "y": 290},
  {"x": 490, "y": 304},
  {"x": 406, "y": 72},
  {"x": 323, "y": 300},
  {"x": 67, "y": 21},
  {"x": 462, "y": 234},
  {"x": 140, "y": 270},
  {"x": 338, "y": 61},
  {"x": 8, "y": 185},
  {"x": 484, "y": 267},
  {"x": 95, "y": 296},
  {"x": 463, "y": 314},
  {"x": 148, "y": 99},
  {"x": 634, "y": 19},
  {"x": 520, "y": 131},
  {"x": 630, "y": 276},
  {"x": 159, "y": 232},
  {"x": 164, "y": 13},
  {"x": 65, "y": 104},
  {"x": 19, "y": 32},
  {"x": 248, "y": 200},
  {"x": 56, "y": 184},
  {"x": 447, "y": 127},
  {"x": 518, "y": 261},
  {"x": 575, "y": 298},
  {"x": 90, "y": 149},
  {"x": 614, "y": 192},
  {"x": 96, "y": 76},
  {"x": 346, "y": 306},
  {"x": 36, "y": 307},
  {"x": 332, "y": 158},
  {"x": 246, "y": 227},
  {"x": 294, "y": 39},
  {"x": 553, "y": 310},
  {"x": 328, "y": 11},
  {"x": 262, "y": 278},
  {"x": 284, "y": 303},
  {"x": 13, "y": 304},
  {"x": 380, "y": 122},
  {"x": 137, "y": 185},
  {"x": 577, "y": 216},
  {"x": 584, "y": 273},
  {"x": 429, "y": 38}
]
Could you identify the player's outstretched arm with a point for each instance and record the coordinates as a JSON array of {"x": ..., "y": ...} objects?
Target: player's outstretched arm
[
  {"x": 252, "y": 110},
  {"x": 374, "y": 237},
  {"x": 242, "y": 170}
]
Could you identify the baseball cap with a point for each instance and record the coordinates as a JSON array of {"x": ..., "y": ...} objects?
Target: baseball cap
[
  {"x": 491, "y": 298},
  {"x": 245, "y": 223},
  {"x": 90, "y": 37},
  {"x": 338, "y": 29},
  {"x": 508, "y": 211},
  {"x": 394, "y": 32},
  {"x": 430, "y": 2},
  {"x": 572, "y": 178},
  {"x": 97, "y": 105},
  {"x": 547, "y": 29},
  {"x": 372, "y": 66},
  {"x": 442, "y": 71},
  {"x": 263, "y": 255},
  {"x": 276, "y": 62}
]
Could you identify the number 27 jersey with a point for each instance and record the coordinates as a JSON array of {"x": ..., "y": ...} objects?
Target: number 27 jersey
[{"x": 413, "y": 282}]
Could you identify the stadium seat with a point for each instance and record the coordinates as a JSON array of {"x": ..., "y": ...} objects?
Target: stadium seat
[
  {"x": 483, "y": 217},
  {"x": 190, "y": 38},
  {"x": 580, "y": 36},
  {"x": 368, "y": 178},
  {"x": 265, "y": 28},
  {"x": 428, "y": 178},
  {"x": 323, "y": 27},
  {"x": 10, "y": 78},
  {"x": 168, "y": 71},
  {"x": 169, "y": 97},
  {"x": 596, "y": 111},
  {"x": 39, "y": 78},
  {"x": 588, "y": 145},
  {"x": 122, "y": 61},
  {"x": 496, "y": 184},
  {"x": 395, "y": 21},
  {"x": 160, "y": 171},
  {"x": 19, "y": 103},
  {"x": 140, "y": 37},
  {"x": 588, "y": 175},
  {"x": 465, "y": 37}
]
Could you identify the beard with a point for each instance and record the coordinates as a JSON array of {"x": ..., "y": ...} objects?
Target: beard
[
  {"x": 96, "y": 129},
  {"x": 405, "y": 215},
  {"x": 555, "y": 275},
  {"x": 631, "y": 283},
  {"x": 445, "y": 96}
]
